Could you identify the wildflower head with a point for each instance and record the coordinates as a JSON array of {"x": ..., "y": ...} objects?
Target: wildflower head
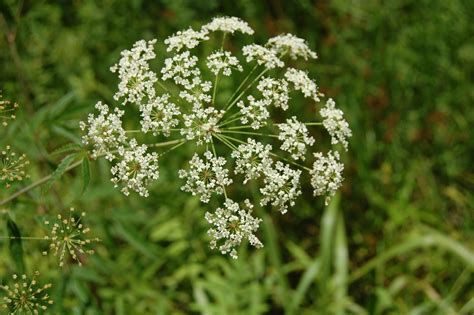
[
  {"x": 26, "y": 296},
  {"x": 68, "y": 237},
  {"x": 240, "y": 124},
  {"x": 12, "y": 166}
]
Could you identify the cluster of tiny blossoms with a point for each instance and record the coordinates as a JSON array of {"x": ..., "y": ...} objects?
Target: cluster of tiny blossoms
[
  {"x": 237, "y": 132},
  {"x": 68, "y": 237},
  {"x": 26, "y": 296},
  {"x": 7, "y": 110}
]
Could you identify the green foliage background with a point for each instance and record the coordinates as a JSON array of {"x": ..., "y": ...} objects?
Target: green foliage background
[{"x": 397, "y": 240}]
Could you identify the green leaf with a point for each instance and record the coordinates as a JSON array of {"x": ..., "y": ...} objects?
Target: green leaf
[
  {"x": 60, "y": 170},
  {"x": 15, "y": 245},
  {"x": 86, "y": 174},
  {"x": 70, "y": 147}
]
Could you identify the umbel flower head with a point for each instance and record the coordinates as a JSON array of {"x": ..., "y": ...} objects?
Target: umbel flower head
[
  {"x": 12, "y": 166},
  {"x": 26, "y": 296},
  {"x": 237, "y": 130},
  {"x": 68, "y": 237},
  {"x": 7, "y": 110}
]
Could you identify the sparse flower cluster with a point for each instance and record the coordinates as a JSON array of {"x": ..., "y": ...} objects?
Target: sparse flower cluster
[
  {"x": 68, "y": 237},
  {"x": 26, "y": 296},
  {"x": 238, "y": 133},
  {"x": 12, "y": 166},
  {"x": 7, "y": 110}
]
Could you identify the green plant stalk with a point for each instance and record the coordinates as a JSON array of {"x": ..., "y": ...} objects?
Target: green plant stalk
[{"x": 35, "y": 184}]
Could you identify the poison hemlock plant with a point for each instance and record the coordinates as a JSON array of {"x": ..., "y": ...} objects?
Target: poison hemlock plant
[{"x": 236, "y": 138}]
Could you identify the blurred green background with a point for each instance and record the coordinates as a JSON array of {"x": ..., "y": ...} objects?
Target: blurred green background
[{"x": 398, "y": 239}]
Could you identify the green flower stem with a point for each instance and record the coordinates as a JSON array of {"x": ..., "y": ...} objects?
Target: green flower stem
[
  {"x": 214, "y": 90},
  {"x": 215, "y": 154},
  {"x": 162, "y": 86},
  {"x": 232, "y": 138},
  {"x": 35, "y": 184},
  {"x": 245, "y": 90},
  {"x": 228, "y": 121},
  {"x": 167, "y": 143},
  {"x": 180, "y": 143},
  {"x": 238, "y": 127},
  {"x": 290, "y": 161},
  {"x": 313, "y": 124},
  {"x": 249, "y": 133},
  {"x": 226, "y": 142},
  {"x": 241, "y": 84},
  {"x": 216, "y": 80}
]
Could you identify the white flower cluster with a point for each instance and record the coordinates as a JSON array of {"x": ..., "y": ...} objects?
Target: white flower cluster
[
  {"x": 252, "y": 159},
  {"x": 223, "y": 61},
  {"x": 180, "y": 68},
  {"x": 205, "y": 177},
  {"x": 281, "y": 187},
  {"x": 185, "y": 39},
  {"x": 295, "y": 137},
  {"x": 326, "y": 174},
  {"x": 275, "y": 91},
  {"x": 135, "y": 168},
  {"x": 228, "y": 25},
  {"x": 159, "y": 115},
  {"x": 229, "y": 124},
  {"x": 104, "y": 131},
  {"x": 136, "y": 79},
  {"x": 233, "y": 224},
  {"x": 201, "y": 124},
  {"x": 303, "y": 83},
  {"x": 256, "y": 112},
  {"x": 262, "y": 55},
  {"x": 335, "y": 124},
  {"x": 290, "y": 44}
]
